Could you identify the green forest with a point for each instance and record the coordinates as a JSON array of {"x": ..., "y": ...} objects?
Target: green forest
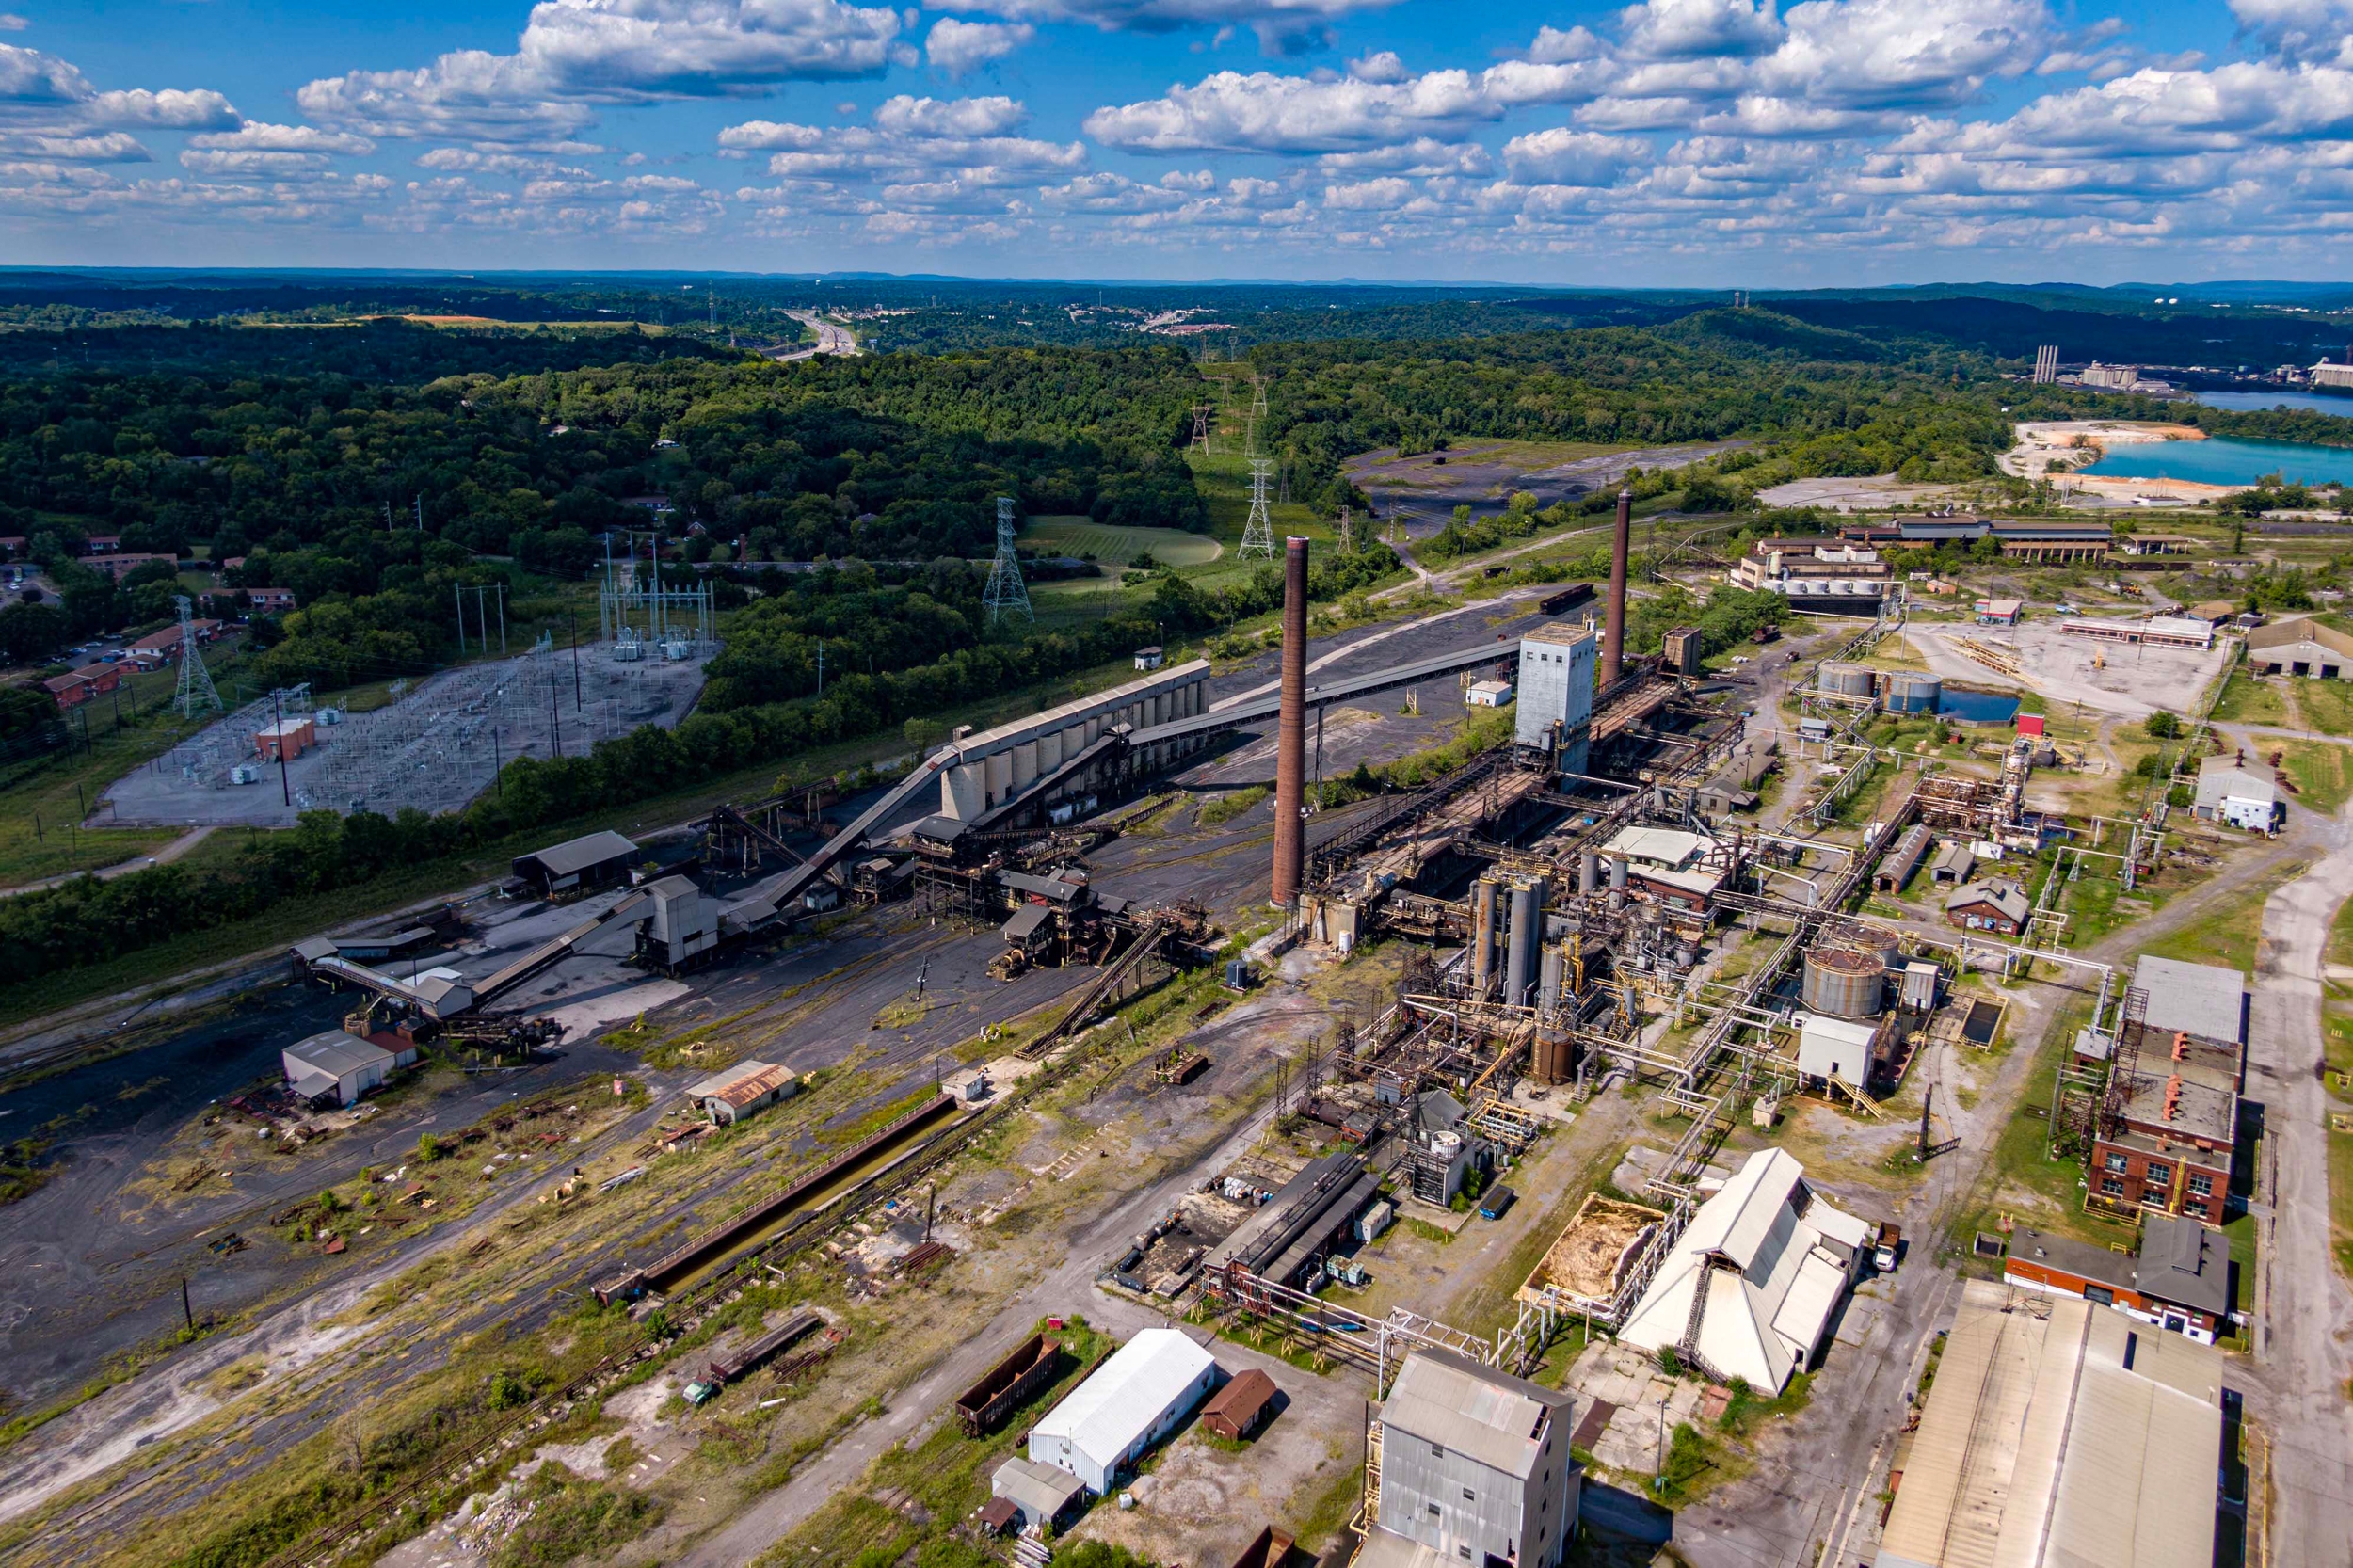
[{"x": 373, "y": 468}]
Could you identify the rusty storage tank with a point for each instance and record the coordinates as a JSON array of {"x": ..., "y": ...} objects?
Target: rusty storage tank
[
  {"x": 1843, "y": 680},
  {"x": 1911, "y": 692},
  {"x": 1846, "y": 973}
]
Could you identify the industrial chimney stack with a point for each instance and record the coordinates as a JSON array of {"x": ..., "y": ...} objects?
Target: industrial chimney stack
[
  {"x": 1614, "y": 630},
  {"x": 1291, "y": 735}
]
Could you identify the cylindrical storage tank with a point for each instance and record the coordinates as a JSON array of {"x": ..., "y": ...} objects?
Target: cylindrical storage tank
[
  {"x": 1843, "y": 680},
  {"x": 1520, "y": 966},
  {"x": 1548, "y": 987},
  {"x": 1588, "y": 871},
  {"x": 1617, "y": 874},
  {"x": 1846, "y": 974},
  {"x": 1911, "y": 692},
  {"x": 1482, "y": 935}
]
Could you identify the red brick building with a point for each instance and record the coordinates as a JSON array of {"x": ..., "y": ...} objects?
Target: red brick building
[
  {"x": 2168, "y": 1143},
  {"x": 2179, "y": 1279}
]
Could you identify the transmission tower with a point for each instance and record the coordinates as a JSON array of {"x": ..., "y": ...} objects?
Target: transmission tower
[
  {"x": 1258, "y": 533},
  {"x": 1283, "y": 491},
  {"x": 1348, "y": 532},
  {"x": 195, "y": 683},
  {"x": 1258, "y": 396},
  {"x": 1201, "y": 429},
  {"x": 1006, "y": 596}
]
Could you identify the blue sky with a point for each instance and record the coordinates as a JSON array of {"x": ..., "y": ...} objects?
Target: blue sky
[{"x": 1715, "y": 143}]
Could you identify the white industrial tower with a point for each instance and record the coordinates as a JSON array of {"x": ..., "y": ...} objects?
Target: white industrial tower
[
  {"x": 1006, "y": 595},
  {"x": 1258, "y": 533},
  {"x": 195, "y": 683},
  {"x": 2046, "y": 364}
]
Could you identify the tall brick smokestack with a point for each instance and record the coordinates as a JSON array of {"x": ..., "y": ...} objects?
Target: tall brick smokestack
[
  {"x": 1290, "y": 734},
  {"x": 1614, "y": 630}
]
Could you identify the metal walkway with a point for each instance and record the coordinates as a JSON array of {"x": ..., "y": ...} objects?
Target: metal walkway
[{"x": 1265, "y": 704}]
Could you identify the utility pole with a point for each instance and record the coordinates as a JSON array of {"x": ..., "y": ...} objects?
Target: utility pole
[
  {"x": 556, "y": 724},
  {"x": 821, "y": 666},
  {"x": 498, "y": 762},
  {"x": 574, "y": 617},
  {"x": 502, "y": 590},
  {"x": 277, "y": 714},
  {"x": 458, "y": 590},
  {"x": 186, "y": 1310},
  {"x": 1928, "y": 1098},
  {"x": 420, "y": 513}
]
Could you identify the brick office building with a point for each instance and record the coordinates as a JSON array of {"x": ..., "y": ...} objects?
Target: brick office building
[
  {"x": 2179, "y": 1280},
  {"x": 2168, "y": 1147}
]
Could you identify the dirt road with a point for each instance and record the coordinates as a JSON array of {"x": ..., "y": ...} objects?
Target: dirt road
[{"x": 2300, "y": 1344}]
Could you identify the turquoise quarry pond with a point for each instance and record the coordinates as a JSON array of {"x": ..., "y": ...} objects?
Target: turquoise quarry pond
[{"x": 2226, "y": 460}]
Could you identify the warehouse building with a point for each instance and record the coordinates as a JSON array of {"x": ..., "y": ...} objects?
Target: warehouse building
[
  {"x": 2169, "y": 1145},
  {"x": 1290, "y": 1235},
  {"x": 341, "y": 1066},
  {"x": 576, "y": 865},
  {"x": 2155, "y": 632},
  {"x": 2057, "y": 1435},
  {"x": 1132, "y": 1402},
  {"x": 1753, "y": 1281},
  {"x": 2302, "y": 647},
  {"x": 743, "y": 1091},
  {"x": 1831, "y": 576},
  {"x": 1475, "y": 1467}
]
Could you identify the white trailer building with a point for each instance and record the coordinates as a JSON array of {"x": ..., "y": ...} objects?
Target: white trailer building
[{"x": 1132, "y": 1402}]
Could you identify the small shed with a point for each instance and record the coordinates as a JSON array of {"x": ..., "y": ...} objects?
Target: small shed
[
  {"x": 1150, "y": 658},
  {"x": 743, "y": 1091},
  {"x": 1041, "y": 1495},
  {"x": 1241, "y": 1407},
  {"x": 1836, "y": 1048},
  {"x": 284, "y": 740},
  {"x": 1489, "y": 694},
  {"x": 338, "y": 1066}
]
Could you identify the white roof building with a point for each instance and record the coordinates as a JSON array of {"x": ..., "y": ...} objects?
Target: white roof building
[
  {"x": 1768, "y": 1260},
  {"x": 1132, "y": 1402},
  {"x": 337, "y": 1065},
  {"x": 2059, "y": 1433}
]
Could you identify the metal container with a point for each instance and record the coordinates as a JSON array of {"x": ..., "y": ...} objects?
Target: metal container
[
  {"x": 1617, "y": 874},
  {"x": 1843, "y": 680},
  {"x": 1846, "y": 974},
  {"x": 1910, "y": 692},
  {"x": 1521, "y": 941},
  {"x": 1588, "y": 871},
  {"x": 1548, "y": 985},
  {"x": 1482, "y": 937}
]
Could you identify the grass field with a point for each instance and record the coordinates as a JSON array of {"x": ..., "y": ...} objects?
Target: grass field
[
  {"x": 2323, "y": 772},
  {"x": 2246, "y": 700},
  {"x": 1119, "y": 547}
]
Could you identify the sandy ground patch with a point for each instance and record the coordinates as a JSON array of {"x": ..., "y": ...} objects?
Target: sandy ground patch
[{"x": 2126, "y": 681}]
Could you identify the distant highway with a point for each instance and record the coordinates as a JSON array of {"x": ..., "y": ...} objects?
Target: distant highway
[{"x": 831, "y": 339}]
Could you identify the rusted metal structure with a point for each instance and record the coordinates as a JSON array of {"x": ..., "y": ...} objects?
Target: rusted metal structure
[{"x": 1290, "y": 743}]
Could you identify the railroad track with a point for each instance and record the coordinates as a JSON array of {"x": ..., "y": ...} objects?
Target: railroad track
[{"x": 332, "y": 1543}]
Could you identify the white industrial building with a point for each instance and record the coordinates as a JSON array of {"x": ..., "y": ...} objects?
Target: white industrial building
[
  {"x": 1554, "y": 701},
  {"x": 341, "y": 1066},
  {"x": 1475, "y": 1467},
  {"x": 1132, "y": 1402},
  {"x": 1837, "y": 1048},
  {"x": 1753, "y": 1281},
  {"x": 2239, "y": 796}
]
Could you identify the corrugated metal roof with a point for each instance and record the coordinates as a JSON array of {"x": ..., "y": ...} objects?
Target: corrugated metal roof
[
  {"x": 2039, "y": 1449},
  {"x": 574, "y": 856},
  {"x": 2184, "y": 1262},
  {"x": 339, "y": 1053},
  {"x": 1040, "y": 1489},
  {"x": 1127, "y": 1394},
  {"x": 1485, "y": 1415}
]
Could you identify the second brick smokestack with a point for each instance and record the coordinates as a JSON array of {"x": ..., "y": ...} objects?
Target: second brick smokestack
[
  {"x": 1613, "y": 628},
  {"x": 1291, "y": 733}
]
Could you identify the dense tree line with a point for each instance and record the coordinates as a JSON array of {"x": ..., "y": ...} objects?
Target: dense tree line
[{"x": 60, "y": 928}]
